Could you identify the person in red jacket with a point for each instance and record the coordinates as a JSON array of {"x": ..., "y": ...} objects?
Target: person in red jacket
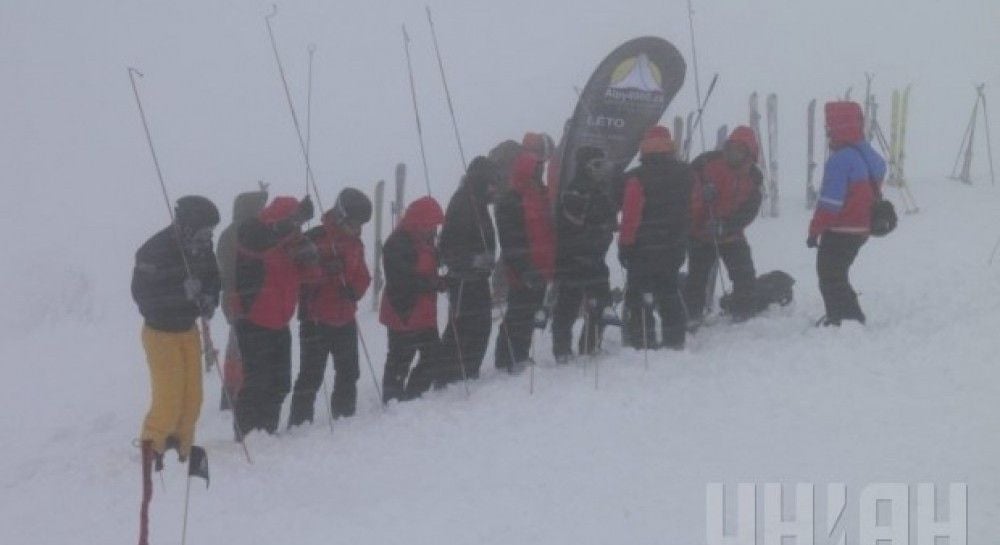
[
  {"x": 725, "y": 199},
  {"x": 409, "y": 303},
  {"x": 842, "y": 220},
  {"x": 272, "y": 260},
  {"x": 527, "y": 243},
  {"x": 652, "y": 241},
  {"x": 327, "y": 307}
]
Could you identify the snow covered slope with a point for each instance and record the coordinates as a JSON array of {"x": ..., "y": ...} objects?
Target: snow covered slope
[{"x": 910, "y": 398}]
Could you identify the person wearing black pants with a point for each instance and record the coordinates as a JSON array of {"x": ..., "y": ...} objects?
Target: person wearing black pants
[
  {"x": 725, "y": 199},
  {"x": 574, "y": 300},
  {"x": 524, "y": 225},
  {"x": 837, "y": 252},
  {"x": 400, "y": 382},
  {"x": 328, "y": 305},
  {"x": 470, "y": 322},
  {"x": 267, "y": 379},
  {"x": 651, "y": 241},
  {"x": 317, "y": 341},
  {"x": 585, "y": 223},
  {"x": 841, "y": 222},
  {"x": 738, "y": 260},
  {"x": 409, "y": 303},
  {"x": 468, "y": 248}
]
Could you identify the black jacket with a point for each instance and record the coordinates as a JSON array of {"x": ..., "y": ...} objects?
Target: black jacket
[
  {"x": 585, "y": 224},
  {"x": 158, "y": 282},
  {"x": 467, "y": 232},
  {"x": 665, "y": 216}
]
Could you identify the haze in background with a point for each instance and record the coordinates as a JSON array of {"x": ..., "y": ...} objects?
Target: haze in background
[{"x": 79, "y": 186}]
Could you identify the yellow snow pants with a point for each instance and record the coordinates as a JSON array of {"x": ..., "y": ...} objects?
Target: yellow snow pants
[{"x": 175, "y": 379}]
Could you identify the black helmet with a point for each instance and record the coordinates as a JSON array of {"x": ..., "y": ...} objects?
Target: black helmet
[
  {"x": 196, "y": 212},
  {"x": 354, "y": 206}
]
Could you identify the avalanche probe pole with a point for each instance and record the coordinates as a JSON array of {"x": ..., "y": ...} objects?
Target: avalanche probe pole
[
  {"x": 447, "y": 93},
  {"x": 209, "y": 346},
  {"x": 312, "y": 180},
  {"x": 309, "y": 91},
  {"x": 416, "y": 112},
  {"x": 697, "y": 121},
  {"x": 697, "y": 80}
]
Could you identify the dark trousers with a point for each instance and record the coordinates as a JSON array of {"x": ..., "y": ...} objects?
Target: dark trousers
[
  {"x": 518, "y": 326},
  {"x": 469, "y": 325},
  {"x": 667, "y": 302},
  {"x": 398, "y": 381},
  {"x": 837, "y": 252},
  {"x": 739, "y": 264},
  {"x": 316, "y": 343},
  {"x": 267, "y": 376},
  {"x": 573, "y": 300}
]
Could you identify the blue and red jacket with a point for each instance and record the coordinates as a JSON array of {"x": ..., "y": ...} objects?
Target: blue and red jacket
[
  {"x": 849, "y": 176},
  {"x": 847, "y": 195},
  {"x": 331, "y": 298}
]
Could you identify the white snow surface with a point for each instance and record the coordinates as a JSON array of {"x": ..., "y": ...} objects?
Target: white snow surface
[{"x": 911, "y": 397}]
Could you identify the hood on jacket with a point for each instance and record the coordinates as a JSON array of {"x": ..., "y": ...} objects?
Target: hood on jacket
[
  {"x": 423, "y": 216},
  {"x": 281, "y": 208},
  {"x": 744, "y": 135},
  {"x": 524, "y": 171},
  {"x": 844, "y": 123},
  {"x": 248, "y": 205}
]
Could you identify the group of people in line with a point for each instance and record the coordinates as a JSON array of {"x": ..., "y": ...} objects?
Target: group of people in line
[{"x": 549, "y": 246}]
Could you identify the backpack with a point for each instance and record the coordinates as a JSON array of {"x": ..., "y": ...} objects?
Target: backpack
[{"x": 883, "y": 213}]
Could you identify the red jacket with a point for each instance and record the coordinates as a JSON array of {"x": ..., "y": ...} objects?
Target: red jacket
[
  {"x": 524, "y": 219},
  {"x": 411, "y": 269},
  {"x": 332, "y": 298},
  {"x": 267, "y": 274},
  {"x": 738, "y": 191}
]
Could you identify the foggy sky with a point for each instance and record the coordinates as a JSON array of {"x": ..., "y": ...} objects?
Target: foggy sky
[{"x": 80, "y": 189}]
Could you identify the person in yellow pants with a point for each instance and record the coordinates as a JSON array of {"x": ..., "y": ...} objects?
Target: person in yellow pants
[
  {"x": 175, "y": 374},
  {"x": 176, "y": 281}
]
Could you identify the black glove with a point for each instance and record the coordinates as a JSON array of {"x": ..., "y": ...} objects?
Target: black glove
[
  {"x": 207, "y": 304},
  {"x": 812, "y": 241},
  {"x": 347, "y": 292},
  {"x": 305, "y": 252},
  {"x": 709, "y": 192},
  {"x": 334, "y": 266},
  {"x": 192, "y": 289},
  {"x": 304, "y": 212}
]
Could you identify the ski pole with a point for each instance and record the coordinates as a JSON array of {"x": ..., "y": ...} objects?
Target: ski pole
[
  {"x": 647, "y": 302},
  {"x": 132, "y": 72},
  {"x": 416, "y": 111},
  {"x": 447, "y": 93},
  {"x": 994, "y": 253},
  {"x": 187, "y": 500},
  {"x": 986, "y": 122}
]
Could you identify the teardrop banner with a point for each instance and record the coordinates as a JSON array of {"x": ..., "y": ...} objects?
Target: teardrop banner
[{"x": 626, "y": 95}]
